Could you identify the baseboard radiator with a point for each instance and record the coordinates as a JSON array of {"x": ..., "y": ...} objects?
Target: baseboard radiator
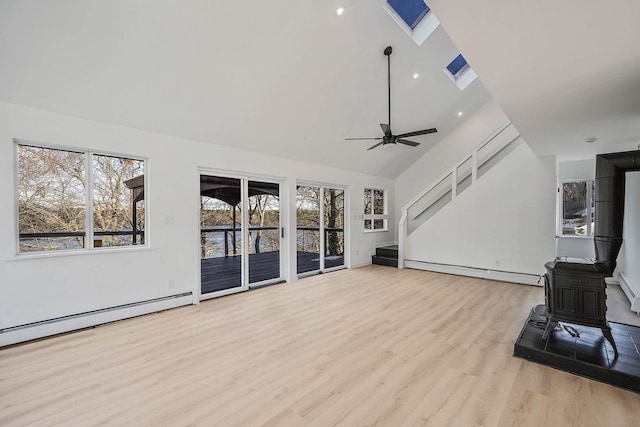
[
  {"x": 632, "y": 292},
  {"x": 59, "y": 325},
  {"x": 482, "y": 273}
]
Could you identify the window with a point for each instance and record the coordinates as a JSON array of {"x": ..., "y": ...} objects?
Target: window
[
  {"x": 460, "y": 72},
  {"x": 414, "y": 17},
  {"x": 375, "y": 207},
  {"x": 458, "y": 65},
  {"x": 411, "y": 11},
  {"x": 71, "y": 199},
  {"x": 578, "y": 208}
]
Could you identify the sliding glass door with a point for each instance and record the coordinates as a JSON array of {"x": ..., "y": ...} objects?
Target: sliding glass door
[
  {"x": 333, "y": 233},
  {"x": 319, "y": 228},
  {"x": 264, "y": 231},
  {"x": 239, "y": 234}
]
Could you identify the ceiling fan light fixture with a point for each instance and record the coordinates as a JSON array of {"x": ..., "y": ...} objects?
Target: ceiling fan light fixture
[{"x": 389, "y": 139}]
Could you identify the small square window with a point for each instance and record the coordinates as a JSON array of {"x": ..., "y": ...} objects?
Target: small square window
[
  {"x": 375, "y": 218},
  {"x": 411, "y": 11},
  {"x": 578, "y": 210},
  {"x": 414, "y": 17},
  {"x": 459, "y": 71},
  {"x": 458, "y": 65}
]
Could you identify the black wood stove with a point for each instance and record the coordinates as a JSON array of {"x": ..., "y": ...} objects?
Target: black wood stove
[
  {"x": 575, "y": 287},
  {"x": 575, "y": 293}
]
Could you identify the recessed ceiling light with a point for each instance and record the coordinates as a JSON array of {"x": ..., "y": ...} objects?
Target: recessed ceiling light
[
  {"x": 416, "y": 75},
  {"x": 459, "y": 113},
  {"x": 590, "y": 140},
  {"x": 340, "y": 11}
]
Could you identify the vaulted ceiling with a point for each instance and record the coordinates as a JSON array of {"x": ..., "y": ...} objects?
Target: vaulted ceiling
[
  {"x": 289, "y": 78},
  {"x": 562, "y": 71},
  {"x": 293, "y": 79}
]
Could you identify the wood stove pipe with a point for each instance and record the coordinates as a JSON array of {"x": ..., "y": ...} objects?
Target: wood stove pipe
[{"x": 609, "y": 204}]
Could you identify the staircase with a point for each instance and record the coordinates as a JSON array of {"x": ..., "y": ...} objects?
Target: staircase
[
  {"x": 386, "y": 255},
  {"x": 456, "y": 180}
]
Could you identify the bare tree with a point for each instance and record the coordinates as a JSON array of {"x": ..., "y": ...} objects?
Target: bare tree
[{"x": 52, "y": 194}]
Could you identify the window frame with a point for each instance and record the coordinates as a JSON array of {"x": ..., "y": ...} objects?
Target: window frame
[
  {"x": 465, "y": 75},
  {"x": 89, "y": 247},
  {"x": 422, "y": 30},
  {"x": 372, "y": 216},
  {"x": 590, "y": 183}
]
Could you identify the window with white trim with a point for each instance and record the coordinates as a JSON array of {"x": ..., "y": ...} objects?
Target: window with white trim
[
  {"x": 73, "y": 199},
  {"x": 375, "y": 210},
  {"x": 460, "y": 72},
  {"x": 577, "y": 213},
  {"x": 414, "y": 17}
]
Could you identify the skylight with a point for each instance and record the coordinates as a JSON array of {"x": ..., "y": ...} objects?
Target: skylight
[
  {"x": 458, "y": 65},
  {"x": 414, "y": 17},
  {"x": 460, "y": 72},
  {"x": 411, "y": 11}
]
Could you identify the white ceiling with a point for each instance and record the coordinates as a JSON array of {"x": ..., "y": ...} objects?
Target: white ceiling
[
  {"x": 562, "y": 71},
  {"x": 289, "y": 78},
  {"x": 293, "y": 79}
]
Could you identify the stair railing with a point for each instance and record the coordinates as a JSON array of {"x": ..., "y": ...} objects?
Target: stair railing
[{"x": 454, "y": 181}]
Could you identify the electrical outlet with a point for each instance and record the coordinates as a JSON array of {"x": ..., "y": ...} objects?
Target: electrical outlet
[
  {"x": 171, "y": 284},
  {"x": 497, "y": 263}
]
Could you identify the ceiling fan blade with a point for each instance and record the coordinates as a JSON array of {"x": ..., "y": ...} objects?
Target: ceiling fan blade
[
  {"x": 419, "y": 132},
  {"x": 407, "y": 142},
  {"x": 374, "y": 146},
  {"x": 386, "y": 129},
  {"x": 362, "y": 139}
]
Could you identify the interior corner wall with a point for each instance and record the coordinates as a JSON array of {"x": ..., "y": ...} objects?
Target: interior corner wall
[
  {"x": 628, "y": 260},
  {"x": 504, "y": 221},
  {"x": 574, "y": 246},
  {"x": 37, "y": 289}
]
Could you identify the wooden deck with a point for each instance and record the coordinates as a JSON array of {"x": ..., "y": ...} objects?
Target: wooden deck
[{"x": 224, "y": 272}]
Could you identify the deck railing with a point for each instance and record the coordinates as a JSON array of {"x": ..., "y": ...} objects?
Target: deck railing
[
  {"x": 307, "y": 239},
  {"x": 25, "y": 238}
]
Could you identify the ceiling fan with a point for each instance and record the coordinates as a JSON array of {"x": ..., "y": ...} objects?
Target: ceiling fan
[{"x": 389, "y": 137}]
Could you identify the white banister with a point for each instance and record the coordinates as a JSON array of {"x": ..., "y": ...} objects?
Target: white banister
[{"x": 445, "y": 188}]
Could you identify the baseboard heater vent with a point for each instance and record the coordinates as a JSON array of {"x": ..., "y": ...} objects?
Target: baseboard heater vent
[
  {"x": 631, "y": 291},
  {"x": 58, "y": 325},
  {"x": 483, "y": 273}
]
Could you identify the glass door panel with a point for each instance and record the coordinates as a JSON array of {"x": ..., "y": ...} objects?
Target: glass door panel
[
  {"x": 308, "y": 228},
  {"x": 333, "y": 211},
  {"x": 264, "y": 231},
  {"x": 220, "y": 233}
]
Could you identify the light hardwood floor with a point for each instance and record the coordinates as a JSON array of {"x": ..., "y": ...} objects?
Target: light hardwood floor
[{"x": 369, "y": 346}]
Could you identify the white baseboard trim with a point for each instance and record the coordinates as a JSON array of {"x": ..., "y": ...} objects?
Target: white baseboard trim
[
  {"x": 22, "y": 333},
  {"x": 631, "y": 290},
  {"x": 361, "y": 264},
  {"x": 503, "y": 276}
]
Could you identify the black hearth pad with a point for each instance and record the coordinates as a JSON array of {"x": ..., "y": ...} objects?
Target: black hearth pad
[{"x": 589, "y": 355}]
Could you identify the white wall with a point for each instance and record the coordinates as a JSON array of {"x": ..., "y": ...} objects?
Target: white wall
[
  {"x": 629, "y": 258},
  {"x": 504, "y": 221},
  {"x": 40, "y": 288},
  {"x": 451, "y": 150},
  {"x": 573, "y": 246}
]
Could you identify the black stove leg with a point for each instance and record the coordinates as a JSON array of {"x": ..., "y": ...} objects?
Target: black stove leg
[
  {"x": 609, "y": 336},
  {"x": 551, "y": 325}
]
